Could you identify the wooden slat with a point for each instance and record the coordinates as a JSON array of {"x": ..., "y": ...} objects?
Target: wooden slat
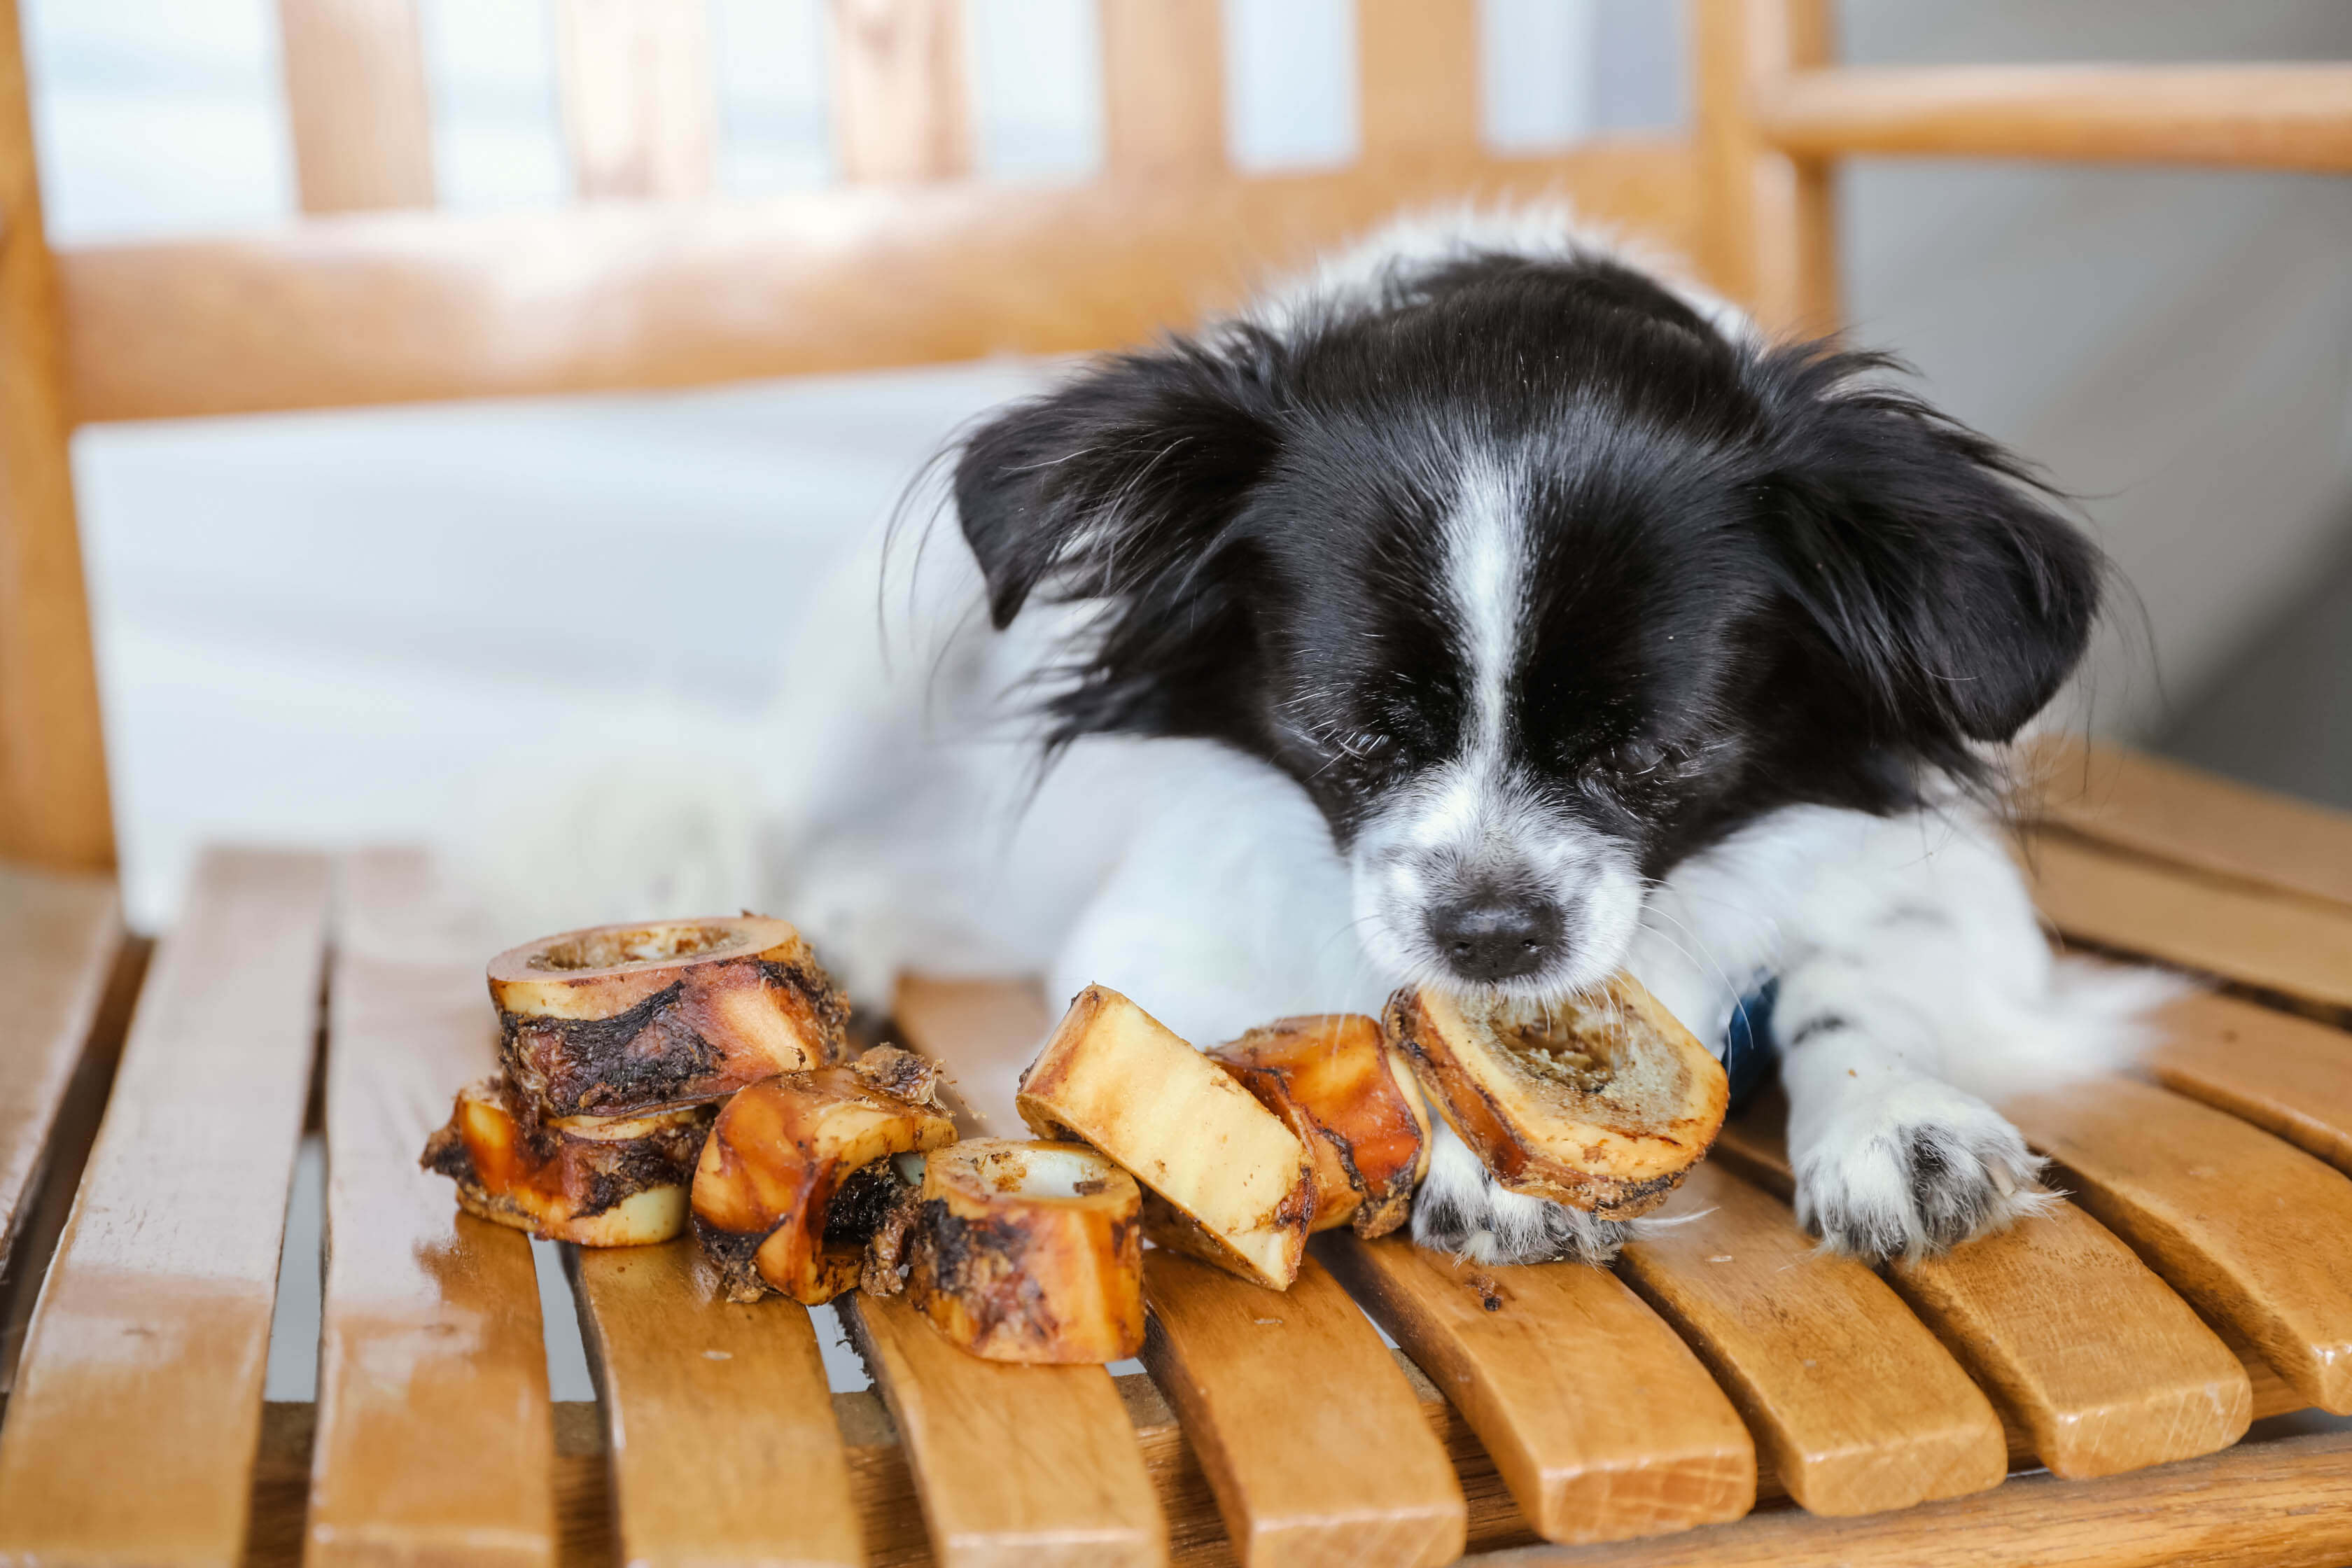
[
  {"x": 984, "y": 1032},
  {"x": 2282, "y": 1073},
  {"x": 2286, "y": 1504},
  {"x": 398, "y": 308},
  {"x": 1771, "y": 227},
  {"x": 1163, "y": 87},
  {"x": 2265, "y": 1503},
  {"x": 901, "y": 110},
  {"x": 131, "y": 1432},
  {"x": 356, "y": 104},
  {"x": 2248, "y": 1228},
  {"x": 53, "y": 788},
  {"x": 721, "y": 1431},
  {"x": 2089, "y": 1355},
  {"x": 1310, "y": 1436},
  {"x": 434, "y": 1441},
  {"x": 1018, "y": 1466},
  {"x": 2297, "y": 947},
  {"x": 638, "y": 112},
  {"x": 2148, "y": 805},
  {"x": 59, "y": 936},
  {"x": 1603, "y": 1423},
  {"x": 1417, "y": 66},
  {"x": 2249, "y": 116},
  {"x": 1852, "y": 1401}
]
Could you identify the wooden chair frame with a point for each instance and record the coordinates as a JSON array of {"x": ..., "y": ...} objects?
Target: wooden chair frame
[{"x": 1948, "y": 1411}]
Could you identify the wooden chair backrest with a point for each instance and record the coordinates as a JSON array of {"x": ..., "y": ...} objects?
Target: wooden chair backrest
[{"x": 372, "y": 297}]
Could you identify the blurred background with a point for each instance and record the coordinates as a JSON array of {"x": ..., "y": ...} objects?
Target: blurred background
[{"x": 321, "y": 626}]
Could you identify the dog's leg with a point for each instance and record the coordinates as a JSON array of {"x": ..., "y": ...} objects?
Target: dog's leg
[
  {"x": 1461, "y": 1209},
  {"x": 1917, "y": 991}
]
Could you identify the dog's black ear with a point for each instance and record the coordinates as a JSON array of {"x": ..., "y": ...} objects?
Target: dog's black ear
[
  {"x": 1929, "y": 557},
  {"x": 1119, "y": 482}
]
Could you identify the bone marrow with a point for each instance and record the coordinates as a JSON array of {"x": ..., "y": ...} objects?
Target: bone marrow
[
  {"x": 785, "y": 1196},
  {"x": 1223, "y": 1178},
  {"x": 615, "y": 1019},
  {"x": 597, "y": 1181},
  {"x": 1349, "y": 1096},
  {"x": 1027, "y": 1252},
  {"x": 1603, "y": 1102}
]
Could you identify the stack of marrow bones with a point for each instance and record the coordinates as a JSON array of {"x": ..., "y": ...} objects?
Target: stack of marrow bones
[{"x": 696, "y": 1072}]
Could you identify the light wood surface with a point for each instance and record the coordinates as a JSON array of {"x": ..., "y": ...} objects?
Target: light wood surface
[
  {"x": 434, "y": 1441},
  {"x": 722, "y": 1432},
  {"x": 59, "y": 936},
  {"x": 1417, "y": 75},
  {"x": 356, "y": 105},
  {"x": 2296, "y": 947},
  {"x": 2286, "y": 1504},
  {"x": 984, "y": 1032},
  {"x": 400, "y": 307},
  {"x": 2280, "y": 1502},
  {"x": 146, "y": 1352},
  {"x": 2160, "y": 809},
  {"x": 2245, "y": 1226},
  {"x": 1769, "y": 234},
  {"x": 2252, "y": 116},
  {"x": 1163, "y": 87},
  {"x": 1852, "y": 1402},
  {"x": 1311, "y": 1437},
  {"x": 901, "y": 111},
  {"x": 2285, "y": 1074},
  {"x": 638, "y": 112},
  {"x": 53, "y": 789},
  {"x": 1017, "y": 1466},
  {"x": 1601, "y": 1420},
  {"x": 2140, "y": 1381}
]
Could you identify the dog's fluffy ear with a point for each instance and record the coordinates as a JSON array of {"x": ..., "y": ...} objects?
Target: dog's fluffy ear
[
  {"x": 1928, "y": 557},
  {"x": 1119, "y": 483}
]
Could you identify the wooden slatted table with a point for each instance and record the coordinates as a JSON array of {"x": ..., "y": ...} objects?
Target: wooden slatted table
[{"x": 2077, "y": 1391}]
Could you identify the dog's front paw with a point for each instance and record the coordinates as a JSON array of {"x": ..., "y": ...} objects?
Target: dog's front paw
[
  {"x": 1913, "y": 1169},
  {"x": 1461, "y": 1209}
]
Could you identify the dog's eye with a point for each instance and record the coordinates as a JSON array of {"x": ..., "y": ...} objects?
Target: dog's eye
[{"x": 1642, "y": 760}]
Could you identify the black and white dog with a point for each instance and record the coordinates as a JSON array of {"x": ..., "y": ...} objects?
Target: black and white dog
[{"x": 1488, "y": 611}]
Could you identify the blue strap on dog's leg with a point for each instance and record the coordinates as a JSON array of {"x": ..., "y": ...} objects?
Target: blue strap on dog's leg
[{"x": 1750, "y": 1054}]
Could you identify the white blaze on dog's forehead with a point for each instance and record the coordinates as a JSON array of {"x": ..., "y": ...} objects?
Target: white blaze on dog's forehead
[{"x": 1485, "y": 541}]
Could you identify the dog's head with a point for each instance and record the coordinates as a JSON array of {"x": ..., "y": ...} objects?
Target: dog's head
[{"x": 1535, "y": 581}]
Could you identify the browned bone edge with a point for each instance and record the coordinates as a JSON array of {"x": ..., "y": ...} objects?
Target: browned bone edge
[
  {"x": 1311, "y": 1437},
  {"x": 1857, "y": 1405},
  {"x": 433, "y": 1439},
  {"x": 2148, "y": 806},
  {"x": 2248, "y": 1228},
  {"x": 1599, "y": 1419},
  {"x": 146, "y": 1352},
  {"x": 2140, "y": 1381},
  {"x": 59, "y": 936},
  {"x": 1016, "y": 1466},
  {"x": 720, "y": 1428},
  {"x": 2287, "y": 1075},
  {"x": 393, "y": 307},
  {"x": 2253, "y": 116},
  {"x": 2294, "y": 947}
]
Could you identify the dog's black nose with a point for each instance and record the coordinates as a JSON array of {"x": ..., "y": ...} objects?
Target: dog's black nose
[{"x": 1494, "y": 938}]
